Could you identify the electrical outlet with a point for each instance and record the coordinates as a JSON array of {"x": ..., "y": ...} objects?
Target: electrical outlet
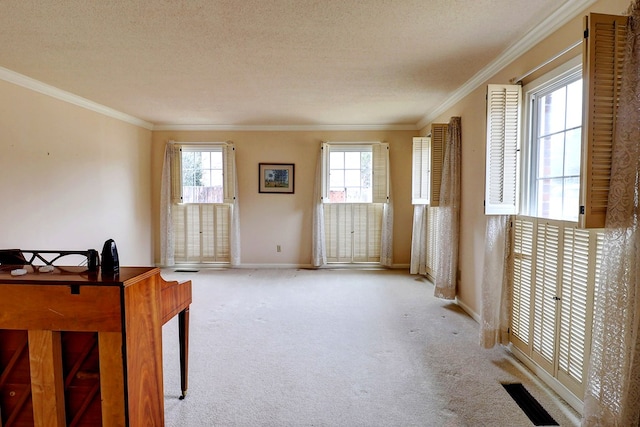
[{"x": 278, "y": 248}]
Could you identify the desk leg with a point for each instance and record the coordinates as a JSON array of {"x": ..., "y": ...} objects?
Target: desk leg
[
  {"x": 111, "y": 378},
  {"x": 47, "y": 379},
  {"x": 183, "y": 333}
]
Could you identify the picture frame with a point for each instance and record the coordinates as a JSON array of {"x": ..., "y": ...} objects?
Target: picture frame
[{"x": 276, "y": 178}]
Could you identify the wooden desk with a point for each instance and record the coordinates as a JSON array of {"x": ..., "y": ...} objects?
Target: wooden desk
[{"x": 77, "y": 348}]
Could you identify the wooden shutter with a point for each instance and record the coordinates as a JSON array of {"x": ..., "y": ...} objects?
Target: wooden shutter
[
  {"x": 503, "y": 147},
  {"x": 176, "y": 173},
  {"x": 229, "y": 173},
  {"x": 380, "y": 172},
  {"x": 421, "y": 171},
  {"x": 438, "y": 139},
  {"x": 603, "y": 55}
]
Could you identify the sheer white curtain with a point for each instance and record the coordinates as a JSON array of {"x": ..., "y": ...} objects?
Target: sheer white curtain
[
  {"x": 419, "y": 240},
  {"x": 386, "y": 240},
  {"x": 496, "y": 293},
  {"x": 318, "y": 249},
  {"x": 448, "y": 234},
  {"x": 612, "y": 397},
  {"x": 166, "y": 223}
]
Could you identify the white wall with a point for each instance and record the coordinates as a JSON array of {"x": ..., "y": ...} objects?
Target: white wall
[{"x": 71, "y": 178}]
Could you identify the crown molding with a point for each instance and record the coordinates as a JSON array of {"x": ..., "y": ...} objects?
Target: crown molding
[
  {"x": 561, "y": 16},
  {"x": 45, "y": 89},
  {"x": 283, "y": 128}
]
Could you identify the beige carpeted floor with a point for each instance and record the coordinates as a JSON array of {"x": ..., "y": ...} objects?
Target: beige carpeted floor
[{"x": 278, "y": 347}]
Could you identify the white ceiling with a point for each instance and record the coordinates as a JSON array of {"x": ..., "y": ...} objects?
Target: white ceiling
[{"x": 252, "y": 63}]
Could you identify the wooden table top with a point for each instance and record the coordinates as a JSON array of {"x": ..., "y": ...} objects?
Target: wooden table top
[{"x": 80, "y": 276}]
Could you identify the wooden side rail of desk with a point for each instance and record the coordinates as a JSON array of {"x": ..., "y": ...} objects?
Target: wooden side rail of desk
[
  {"x": 111, "y": 325},
  {"x": 176, "y": 299}
]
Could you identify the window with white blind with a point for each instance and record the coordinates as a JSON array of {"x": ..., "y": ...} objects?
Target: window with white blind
[
  {"x": 355, "y": 188},
  {"x": 203, "y": 193}
]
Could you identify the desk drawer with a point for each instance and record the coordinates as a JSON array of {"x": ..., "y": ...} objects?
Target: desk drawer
[{"x": 94, "y": 308}]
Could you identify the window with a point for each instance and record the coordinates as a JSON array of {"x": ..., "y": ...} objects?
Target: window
[
  {"x": 355, "y": 190},
  {"x": 350, "y": 175},
  {"x": 428, "y": 156},
  {"x": 355, "y": 172},
  {"x": 202, "y": 175},
  {"x": 552, "y": 187},
  {"x": 557, "y": 263},
  {"x": 204, "y": 191}
]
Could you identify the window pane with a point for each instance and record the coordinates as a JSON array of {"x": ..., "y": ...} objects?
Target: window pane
[
  {"x": 352, "y": 160},
  {"x": 336, "y": 178},
  {"x": 574, "y": 104},
  {"x": 552, "y": 112},
  {"x": 336, "y": 160},
  {"x": 551, "y": 156},
  {"x": 573, "y": 147},
  {"x": 571, "y": 198},
  {"x": 352, "y": 178},
  {"x": 216, "y": 178},
  {"x": 354, "y": 195},
  {"x": 206, "y": 160},
  {"x": 206, "y": 178},
  {"x": 216, "y": 160},
  {"x": 550, "y": 198}
]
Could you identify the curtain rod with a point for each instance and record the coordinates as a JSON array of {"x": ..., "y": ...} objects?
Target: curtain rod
[{"x": 516, "y": 80}]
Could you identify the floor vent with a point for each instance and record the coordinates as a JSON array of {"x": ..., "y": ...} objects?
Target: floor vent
[
  {"x": 185, "y": 271},
  {"x": 536, "y": 413}
]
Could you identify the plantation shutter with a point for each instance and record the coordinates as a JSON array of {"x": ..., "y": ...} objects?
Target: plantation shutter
[
  {"x": 380, "y": 173},
  {"x": 523, "y": 250},
  {"x": 338, "y": 218},
  {"x": 229, "y": 172},
  {"x": 421, "y": 171},
  {"x": 438, "y": 139},
  {"x": 176, "y": 173},
  {"x": 503, "y": 146},
  {"x": 604, "y": 45},
  {"x": 367, "y": 232},
  {"x": 545, "y": 295},
  {"x": 202, "y": 232},
  {"x": 578, "y": 270}
]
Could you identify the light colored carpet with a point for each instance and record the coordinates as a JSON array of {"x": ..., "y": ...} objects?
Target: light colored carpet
[{"x": 278, "y": 347}]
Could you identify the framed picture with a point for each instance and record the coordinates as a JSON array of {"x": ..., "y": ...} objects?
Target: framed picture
[{"x": 276, "y": 178}]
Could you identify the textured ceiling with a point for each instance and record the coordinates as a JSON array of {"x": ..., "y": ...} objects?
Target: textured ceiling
[{"x": 263, "y": 62}]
